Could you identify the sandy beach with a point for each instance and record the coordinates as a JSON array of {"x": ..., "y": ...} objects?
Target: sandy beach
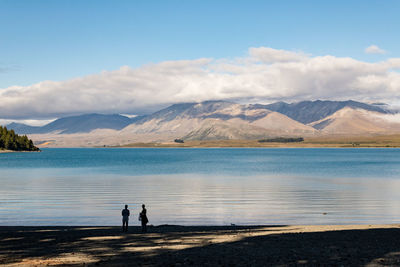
[{"x": 337, "y": 245}]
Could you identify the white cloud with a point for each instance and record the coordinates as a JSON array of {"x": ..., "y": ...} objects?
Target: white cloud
[
  {"x": 374, "y": 49},
  {"x": 129, "y": 115},
  {"x": 270, "y": 55},
  {"x": 265, "y": 75}
]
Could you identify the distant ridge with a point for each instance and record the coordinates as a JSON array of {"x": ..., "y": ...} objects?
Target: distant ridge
[
  {"x": 76, "y": 124},
  {"x": 349, "y": 121},
  {"x": 219, "y": 120},
  {"x": 206, "y": 109},
  {"x": 310, "y": 111},
  {"x": 216, "y": 120}
]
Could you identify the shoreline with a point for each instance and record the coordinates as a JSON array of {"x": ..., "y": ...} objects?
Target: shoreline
[
  {"x": 271, "y": 146},
  {"x": 160, "y": 146},
  {"x": 166, "y": 245},
  {"x": 379, "y": 141},
  {"x": 7, "y": 151},
  {"x": 384, "y": 141},
  {"x": 15, "y": 151}
]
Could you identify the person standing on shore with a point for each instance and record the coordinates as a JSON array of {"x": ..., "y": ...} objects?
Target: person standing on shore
[
  {"x": 143, "y": 219},
  {"x": 125, "y": 219}
]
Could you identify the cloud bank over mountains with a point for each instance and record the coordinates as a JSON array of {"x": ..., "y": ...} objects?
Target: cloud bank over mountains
[{"x": 263, "y": 75}]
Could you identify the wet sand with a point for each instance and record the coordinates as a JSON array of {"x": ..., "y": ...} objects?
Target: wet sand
[{"x": 341, "y": 245}]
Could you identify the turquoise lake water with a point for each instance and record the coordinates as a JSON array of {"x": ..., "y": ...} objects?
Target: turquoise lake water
[{"x": 89, "y": 186}]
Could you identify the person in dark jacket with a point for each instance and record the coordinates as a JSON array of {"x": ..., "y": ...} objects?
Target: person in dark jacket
[
  {"x": 143, "y": 219},
  {"x": 125, "y": 219}
]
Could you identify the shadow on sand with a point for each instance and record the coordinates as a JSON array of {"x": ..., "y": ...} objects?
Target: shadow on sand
[{"x": 201, "y": 246}]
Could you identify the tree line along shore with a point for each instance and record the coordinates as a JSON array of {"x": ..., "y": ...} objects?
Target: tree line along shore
[{"x": 10, "y": 141}]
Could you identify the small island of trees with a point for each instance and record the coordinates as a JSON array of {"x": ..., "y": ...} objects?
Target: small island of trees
[{"x": 9, "y": 140}]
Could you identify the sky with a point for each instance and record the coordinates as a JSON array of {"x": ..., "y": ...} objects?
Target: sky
[{"x": 61, "y": 58}]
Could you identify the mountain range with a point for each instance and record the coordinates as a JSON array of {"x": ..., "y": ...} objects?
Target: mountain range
[
  {"x": 75, "y": 124},
  {"x": 216, "y": 120}
]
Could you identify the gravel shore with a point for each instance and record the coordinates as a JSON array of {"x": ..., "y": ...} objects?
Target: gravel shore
[{"x": 337, "y": 245}]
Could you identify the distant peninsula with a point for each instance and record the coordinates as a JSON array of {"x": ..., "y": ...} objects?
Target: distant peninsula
[{"x": 11, "y": 141}]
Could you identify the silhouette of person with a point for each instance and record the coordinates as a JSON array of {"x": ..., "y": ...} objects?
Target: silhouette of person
[
  {"x": 143, "y": 219},
  {"x": 125, "y": 219}
]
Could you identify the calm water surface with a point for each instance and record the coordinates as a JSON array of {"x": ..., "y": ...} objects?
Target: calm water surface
[{"x": 201, "y": 186}]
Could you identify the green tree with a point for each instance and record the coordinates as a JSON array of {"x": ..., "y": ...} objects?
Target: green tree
[{"x": 12, "y": 141}]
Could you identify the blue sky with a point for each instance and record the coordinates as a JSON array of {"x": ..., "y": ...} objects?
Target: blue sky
[
  {"x": 60, "y": 40},
  {"x": 60, "y": 57}
]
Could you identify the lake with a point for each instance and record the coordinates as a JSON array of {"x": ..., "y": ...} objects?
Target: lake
[{"x": 201, "y": 186}]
